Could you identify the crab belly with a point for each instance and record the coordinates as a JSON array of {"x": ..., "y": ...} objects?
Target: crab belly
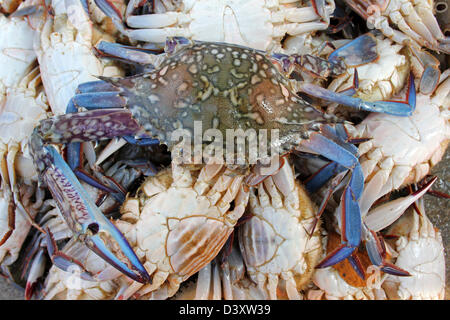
[
  {"x": 243, "y": 22},
  {"x": 16, "y": 50},
  {"x": 180, "y": 232},
  {"x": 278, "y": 252},
  {"x": 425, "y": 261},
  {"x": 66, "y": 59},
  {"x": 335, "y": 288},
  {"x": 414, "y": 142},
  {"x": 273, "y": 242}
]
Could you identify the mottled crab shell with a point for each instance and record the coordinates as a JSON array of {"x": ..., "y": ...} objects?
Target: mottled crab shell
[{"x": 224, "y": 87}]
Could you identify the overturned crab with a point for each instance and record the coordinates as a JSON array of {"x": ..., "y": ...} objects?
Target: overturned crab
[
  {"x": 404, "y": 21},
  {"x": 418, "y": 249},
  {"x": 414, "y": 244},
  {"x": 414, "y": 147},
  {"x": 64, "y": 47},
  {"x": 24, "y": 106},
  {"x": 258, "y": 24},
  {"x": 410, "y": 23},
  {"x": 279, "y": 253}
]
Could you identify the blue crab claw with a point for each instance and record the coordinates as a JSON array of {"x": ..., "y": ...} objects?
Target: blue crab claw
[
  {"x": 396, "y": 108},
  {"x": 83, "y": 216},
  {"x": 357, "y": 52}
]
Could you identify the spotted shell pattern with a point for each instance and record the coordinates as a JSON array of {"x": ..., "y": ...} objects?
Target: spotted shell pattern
[{"x": 222, "y": 85}]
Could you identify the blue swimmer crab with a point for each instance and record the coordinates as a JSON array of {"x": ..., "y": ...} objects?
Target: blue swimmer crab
[{"x": 221, "y": 86}]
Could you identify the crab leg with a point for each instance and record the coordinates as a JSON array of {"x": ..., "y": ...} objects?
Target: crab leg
[
  {"x": 320, "y": 9},
  {"x": 126, "y": 53},
  {"x": 416, "y": 21},
  {"x": 425, "y": 66},
  {"x": 351, "y": 217},
  {"x": 324, "y": 174},
  {"x": 97, "y": 95},
  {"x": 91, "y": 94},
  {"x": 74, "y": 159},
  {"x": 377, "y": 252},
  {"x": 106, "y": 100},
  {"x": 156, "y": 27},
  {"x": 380, "y": 218},
  {"x": 80, "y": 213},
  {"x": 359, "y": 51},
  {"x": 320, "y": 178},
  {"x": 396, "y": 108}
]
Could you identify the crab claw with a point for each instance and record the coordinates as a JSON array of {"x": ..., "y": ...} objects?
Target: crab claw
[
  {"x": 396, "y": 108},
  {"x": 357, "y": 52},
  {"x": 83, "y": 216}
]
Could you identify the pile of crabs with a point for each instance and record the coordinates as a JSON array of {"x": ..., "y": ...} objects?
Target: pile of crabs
[{"x": 95, "y": 202}]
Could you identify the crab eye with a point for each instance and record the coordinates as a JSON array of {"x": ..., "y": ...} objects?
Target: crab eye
[
  {"x": 173, "y": 44},
  {"x": 93, "y": 227},
  {"x": 282, "y": 62}
]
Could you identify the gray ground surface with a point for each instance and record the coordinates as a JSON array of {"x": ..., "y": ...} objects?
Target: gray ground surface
[
  {"x": 437, "y": 210},
  {"x": 9, "y": 291}
]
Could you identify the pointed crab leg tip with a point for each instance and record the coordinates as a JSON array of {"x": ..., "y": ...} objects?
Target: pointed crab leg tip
[
  {"x": 29, "y": 290},
  {"x": 394, "y": 270},
  {"x": 336, "y": 256},
  {"x": 136, "y": 271},
  {"x": 394, "y": 108},
  {"x": 426, "y": 186}
]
